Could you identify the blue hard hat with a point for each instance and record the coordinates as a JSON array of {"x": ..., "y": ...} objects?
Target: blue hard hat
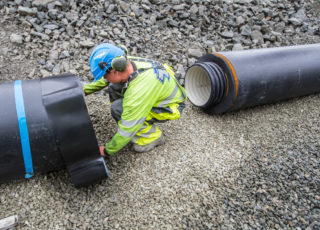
[{"x": 101, "y": 59}]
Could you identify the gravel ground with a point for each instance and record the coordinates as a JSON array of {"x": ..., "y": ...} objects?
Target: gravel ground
[{"x": 253, "y": 169}]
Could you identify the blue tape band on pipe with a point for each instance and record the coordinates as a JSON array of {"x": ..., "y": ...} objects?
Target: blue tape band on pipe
[{"x": 23, "y": 128}]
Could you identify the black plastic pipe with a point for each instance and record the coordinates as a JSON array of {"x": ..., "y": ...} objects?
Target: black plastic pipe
[
  {"x": 228, "y": 81},
  {"x": 45, "y": 126}
]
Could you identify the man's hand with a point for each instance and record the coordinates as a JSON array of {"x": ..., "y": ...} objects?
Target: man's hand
[{"x": 102, "y": 151}]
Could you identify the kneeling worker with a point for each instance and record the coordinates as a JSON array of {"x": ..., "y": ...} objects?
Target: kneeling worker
[{"x": 142, "y": 92}]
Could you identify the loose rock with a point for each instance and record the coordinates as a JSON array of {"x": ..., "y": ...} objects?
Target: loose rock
[
  {"x": 16, "y": 38},
  {"x": 87, "y": 44}
]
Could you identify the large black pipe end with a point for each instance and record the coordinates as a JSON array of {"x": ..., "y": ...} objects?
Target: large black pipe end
[
  {"x": 67, "y": 109},
  {"x": 88, "y": 172},
  {"x": 46, "y": 127}
]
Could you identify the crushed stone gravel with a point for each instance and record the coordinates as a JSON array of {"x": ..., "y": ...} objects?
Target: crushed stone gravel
[{"x": 256, "y": 168}]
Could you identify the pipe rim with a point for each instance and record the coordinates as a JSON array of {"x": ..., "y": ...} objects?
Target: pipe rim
[
  {"x": 206, "y": 84},
  {"x": 198, "y": 85}
]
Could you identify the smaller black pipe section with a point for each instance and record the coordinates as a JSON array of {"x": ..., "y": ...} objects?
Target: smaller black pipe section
[
  {"x": 241, "y": 79},
  {"x": 45, "y": 126}
]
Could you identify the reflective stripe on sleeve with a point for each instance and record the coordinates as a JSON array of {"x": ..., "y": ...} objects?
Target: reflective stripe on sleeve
[
  {"x": 129, "y": 124},
  {"x": 126, "y": 133}
]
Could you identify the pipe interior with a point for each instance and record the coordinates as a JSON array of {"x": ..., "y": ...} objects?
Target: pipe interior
[{"x": 198, "y": 85}]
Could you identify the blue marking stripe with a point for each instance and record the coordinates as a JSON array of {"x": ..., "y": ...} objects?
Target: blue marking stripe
[{"x": 23, "y": 128}]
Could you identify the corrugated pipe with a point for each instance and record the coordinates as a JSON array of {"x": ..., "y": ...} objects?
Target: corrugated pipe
[
  {"x": 228, "y": 81},
  {"x": 45, "y": 126}
]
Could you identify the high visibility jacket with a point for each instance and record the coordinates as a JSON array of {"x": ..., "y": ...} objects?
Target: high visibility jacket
[{"x": 153, "y": 87}]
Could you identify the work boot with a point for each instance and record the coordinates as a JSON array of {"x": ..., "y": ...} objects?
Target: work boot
[{"x": 149, "y": 147}]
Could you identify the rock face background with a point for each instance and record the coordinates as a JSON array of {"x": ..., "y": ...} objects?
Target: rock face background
[{"x": 252, "y": 169}]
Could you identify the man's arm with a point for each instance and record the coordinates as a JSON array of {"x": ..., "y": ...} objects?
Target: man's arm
[{"x": 95, "y": 86}]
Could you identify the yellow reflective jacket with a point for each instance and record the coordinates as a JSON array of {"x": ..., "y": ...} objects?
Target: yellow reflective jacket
[{"x": 153, "y": 87}]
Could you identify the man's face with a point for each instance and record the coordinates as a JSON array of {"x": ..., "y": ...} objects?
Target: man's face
[{"x": 113, "y": 76}]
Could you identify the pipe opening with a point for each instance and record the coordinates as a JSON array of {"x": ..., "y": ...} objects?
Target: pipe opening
[
  {"x": 205, "y": 84},
  {"x": 198, "y": 85}
]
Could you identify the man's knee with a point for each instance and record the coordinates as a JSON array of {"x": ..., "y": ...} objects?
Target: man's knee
[{"x": 116, "y": 109}]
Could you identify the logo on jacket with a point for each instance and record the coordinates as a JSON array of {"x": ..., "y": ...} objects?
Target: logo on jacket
[{"x": 161, "y": 74}]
